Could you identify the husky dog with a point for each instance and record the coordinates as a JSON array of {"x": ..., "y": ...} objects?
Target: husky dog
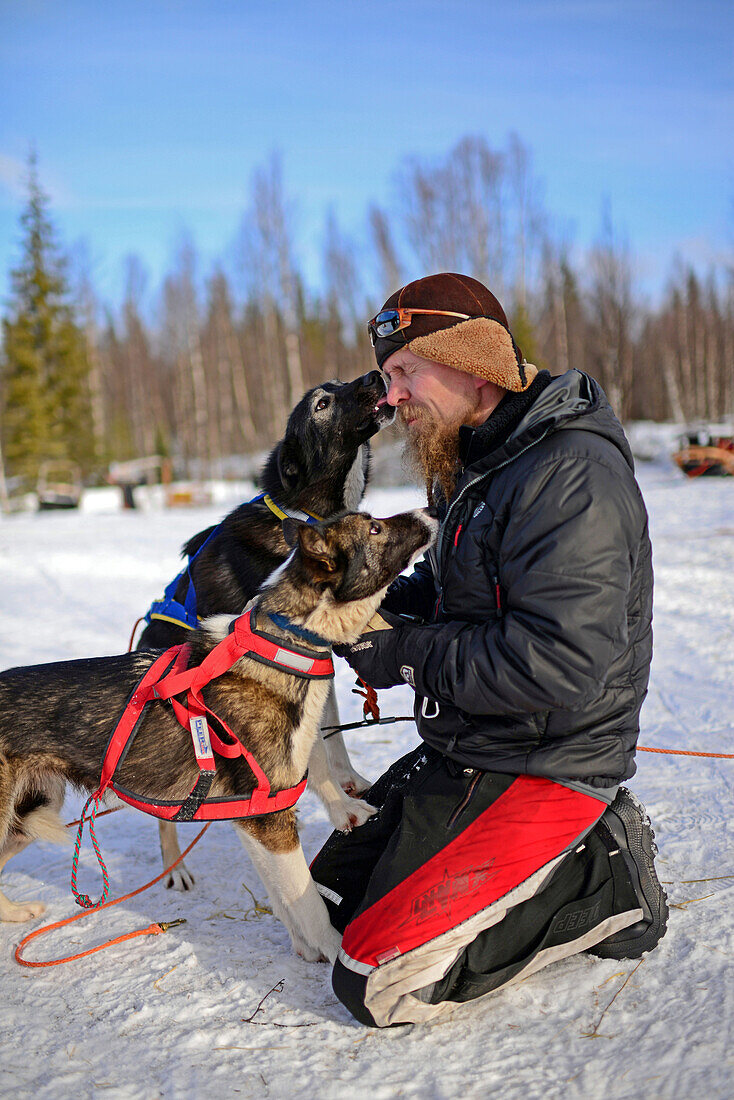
[
  {"x": 55, "y": 718},
  {"x": 320, "y": 466}
]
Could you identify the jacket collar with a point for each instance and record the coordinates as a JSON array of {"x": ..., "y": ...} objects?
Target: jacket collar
[{"x": 568, "y": 400}]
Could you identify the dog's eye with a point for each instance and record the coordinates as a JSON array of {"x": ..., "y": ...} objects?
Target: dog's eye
[
  {"x": 322, "y": 404},
  {"x": 375, "y": 529}
]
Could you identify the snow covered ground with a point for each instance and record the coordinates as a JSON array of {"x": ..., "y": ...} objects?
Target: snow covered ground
[{"x": 175, "y": 1015}]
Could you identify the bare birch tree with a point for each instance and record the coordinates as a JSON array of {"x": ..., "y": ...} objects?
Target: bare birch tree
[
  {"x": 182, "y": 351},
  {"x": 225, "y": 369},
  {"x": 477, "y": 211},
  {"x": 265, "y": 258},
  {"x": 612, "y": 316},
  {"x": 389, "y": 267}
]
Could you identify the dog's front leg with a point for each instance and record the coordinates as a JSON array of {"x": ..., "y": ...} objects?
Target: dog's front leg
[
  {"x": 344, "y": 812},
  {"x": 340, "y": 765},
  {"x": 293, "y": 894},
  {"x": 180, "y": 878}
]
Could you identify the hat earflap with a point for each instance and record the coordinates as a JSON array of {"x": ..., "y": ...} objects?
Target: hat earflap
[{"x": 478, "y": 346}]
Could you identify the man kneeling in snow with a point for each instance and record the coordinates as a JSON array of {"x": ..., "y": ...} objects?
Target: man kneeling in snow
[{"x": 504, "y": 841}]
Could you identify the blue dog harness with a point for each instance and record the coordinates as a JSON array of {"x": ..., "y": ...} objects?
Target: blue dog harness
[{"x": 171, "y": 610}]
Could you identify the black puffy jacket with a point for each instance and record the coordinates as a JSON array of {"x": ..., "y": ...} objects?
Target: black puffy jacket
[{"x": 537, "y": 600}]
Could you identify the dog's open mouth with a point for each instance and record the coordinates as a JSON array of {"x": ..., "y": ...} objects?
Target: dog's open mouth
[
  {"x": 378, "y": 417},
  {"x": 384, "y": 414}
]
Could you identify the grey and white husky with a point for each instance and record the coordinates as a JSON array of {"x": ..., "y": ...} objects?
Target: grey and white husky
[{"x": 56, "y": 719}]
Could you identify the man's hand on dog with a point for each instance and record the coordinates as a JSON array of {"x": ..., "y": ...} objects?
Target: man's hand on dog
[{"x": 372, "y": 655}]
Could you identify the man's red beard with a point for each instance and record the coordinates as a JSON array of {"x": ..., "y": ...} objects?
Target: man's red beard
[{"x": 431, "y": 449}]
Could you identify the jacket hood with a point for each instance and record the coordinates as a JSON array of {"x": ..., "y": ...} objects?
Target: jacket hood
[{"x": 572, "y": 400}]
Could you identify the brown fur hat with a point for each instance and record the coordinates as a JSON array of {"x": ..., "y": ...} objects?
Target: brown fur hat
[{"x": 483, "y": 345}]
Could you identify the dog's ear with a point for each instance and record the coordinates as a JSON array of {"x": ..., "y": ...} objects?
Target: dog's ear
[
  {"x": 290, "y": 531},
  {"x": 315, "y": 546},
  {"x": 290, "y": 462}
]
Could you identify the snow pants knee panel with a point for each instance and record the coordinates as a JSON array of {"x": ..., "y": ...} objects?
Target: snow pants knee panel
[{"x": 448, "y": 855}]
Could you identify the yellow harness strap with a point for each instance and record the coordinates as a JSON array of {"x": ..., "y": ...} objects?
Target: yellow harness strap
[
  {"x": 295, "y": 514},
  {"x": 170, "y": 619}
]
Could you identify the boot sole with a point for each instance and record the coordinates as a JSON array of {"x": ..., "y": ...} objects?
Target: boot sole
[{"x": 633, "y": 831}]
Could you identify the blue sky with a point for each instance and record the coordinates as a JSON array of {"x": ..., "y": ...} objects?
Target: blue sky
[{"x": 149, "y": 118}]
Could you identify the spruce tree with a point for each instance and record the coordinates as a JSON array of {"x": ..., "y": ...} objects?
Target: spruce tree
[{"x": 44, "y": 369}]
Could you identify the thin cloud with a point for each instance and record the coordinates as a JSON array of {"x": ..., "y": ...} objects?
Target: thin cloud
[
  {"x": 12, "y": 176},
  {"x": 14, "y": 184}
]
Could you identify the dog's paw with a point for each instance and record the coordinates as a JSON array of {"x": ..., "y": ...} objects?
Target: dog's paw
[
  {"x": 360, "y": 811},
  {"x": 308, "y": 953},
  {"x": 352, "y": 783},
  {"x": 350, "y": 813},
  {"x": 331, "y": 944},
  {"x": 180, "y": 878},
  {"x": 17, "y": 912},
  {"x": 325, "y": 951}
]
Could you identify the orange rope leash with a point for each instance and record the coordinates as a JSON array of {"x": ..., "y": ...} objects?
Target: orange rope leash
[
  {"x": 132, "y": 636},
  {"x": 689, "y": 752},
  {"x": 154, "y": 929},
  {"x": 71, "y": 824}
]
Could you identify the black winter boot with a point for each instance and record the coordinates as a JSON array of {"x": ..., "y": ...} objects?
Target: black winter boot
[{"x": 627, "y": 822}]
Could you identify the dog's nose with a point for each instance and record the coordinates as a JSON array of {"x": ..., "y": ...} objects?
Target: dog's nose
[
  {"x": 431, "y": 511},
  {"x": 372, "y": 378}
]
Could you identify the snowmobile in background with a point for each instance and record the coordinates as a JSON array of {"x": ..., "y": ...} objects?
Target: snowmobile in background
[
  {"x": 703, "y": 453},
  {"x": 59, "y": 485}
]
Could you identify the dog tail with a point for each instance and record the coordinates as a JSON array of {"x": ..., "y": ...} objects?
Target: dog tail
[{"x": 45, "y": 824}]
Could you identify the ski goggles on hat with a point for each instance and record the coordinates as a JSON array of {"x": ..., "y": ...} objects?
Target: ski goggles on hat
[{"x": 392, "y": 320}]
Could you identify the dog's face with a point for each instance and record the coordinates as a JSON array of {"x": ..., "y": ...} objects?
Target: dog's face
[
  {"x": 356, "y": 555},
  {"x": 329, "y": 424}
]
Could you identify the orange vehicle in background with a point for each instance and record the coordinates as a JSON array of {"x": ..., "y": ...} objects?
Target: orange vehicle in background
[{"x": 705, "y": 454}]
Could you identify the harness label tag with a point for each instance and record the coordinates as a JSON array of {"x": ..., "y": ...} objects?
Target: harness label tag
[
  {"x": 294, "y": 660},
  {"x": 202, "y": 743}
]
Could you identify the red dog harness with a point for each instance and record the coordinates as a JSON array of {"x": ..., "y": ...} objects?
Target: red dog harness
[{"x": 169, "y": 677}]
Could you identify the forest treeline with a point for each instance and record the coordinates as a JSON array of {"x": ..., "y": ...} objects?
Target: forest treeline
[{"x": 210, "y": 369}]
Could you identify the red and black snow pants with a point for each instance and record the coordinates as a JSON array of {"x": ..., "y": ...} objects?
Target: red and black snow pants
[{"x": 462, "y": 882}]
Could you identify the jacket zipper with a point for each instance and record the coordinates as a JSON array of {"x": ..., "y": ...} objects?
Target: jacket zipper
[
  {"x": 497, "y": 595},
  {"x": 465, "y": 800},
  {"x": 477, "y": 479}
]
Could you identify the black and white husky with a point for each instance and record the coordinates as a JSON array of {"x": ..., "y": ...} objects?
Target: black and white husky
[
  {"x": 56, "y": 719},
  {"x": 321, "y": 467}
]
